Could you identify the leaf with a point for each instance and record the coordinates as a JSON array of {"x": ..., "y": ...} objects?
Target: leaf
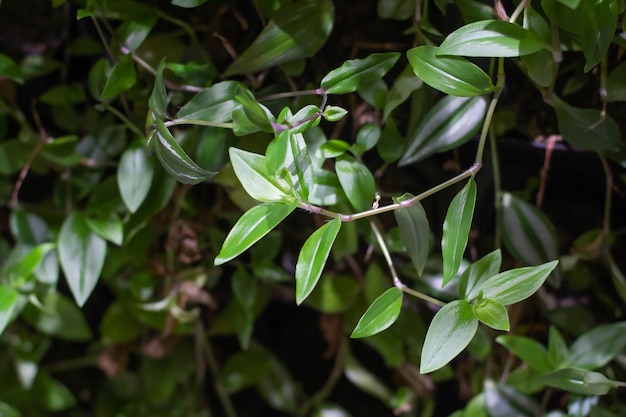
[
  {"x": 473, "y": 276},
  {"x": 450, "y": 123},
  {"x": 82, "y": 254},
  {"x": 121, "y": 78},
  {"x": 515, "y": 285},
  {"x": 395, "y": 9},
  {"x": 158, "y": 99},
  {"x": 134, "y": 176},
  {"x": 244, "y": 369},
  {"x": 365, "y": 380},
  {"x": 562, "y": 14},
  {"x": 107, "y": 225},
  {"x": 597, "y": 29},
  {"x": 300, "y": 166},
  {"x": 530, "y": 351},
  {"x": 492, "y": 313},
  {"x": 334, "y": 113},
  {"x": 358, "y": 72},
  {"x": 450, "y": 74},
  {"x": 8, "y": 302},
  {"x": 491, "y": 38},
  {"x": 251, "y": 170},
  {"x": 456, "y": 227},
  {"x": 357, "y": 182},
  {"x": 595, "y": 348},
  {"x": 616, "y": 83},
  {"x": 580, "y": 381},
  {"x": 335, "y": 294},
  {"x": 527, "y": 233},
  {"x": 58, "y": 316},
  {"x": 503, "y": 400},
  {"x": 9, "y": 69},
  {"x": 175, "y": 160},
  {"x": 585, "y": 129},
  {"x": 297, "y": 30},
  {"x": 415, "y": 231},
  {"x": 366, "y": 138},
  {"x": 312, "y": 258},
  {"x": 400, "y": 91},
  {"x": 251, "y": 227},
  {"x": 558, "y": 353},
  {"x": 23, "y": 269},
  {"x": 381, "y": 314},
  {"x": 253, "y": 110},
  {"x": 450, "y": 331},
  {"x": 188, "y": 3},
  {"x": 214, "y": 104}
]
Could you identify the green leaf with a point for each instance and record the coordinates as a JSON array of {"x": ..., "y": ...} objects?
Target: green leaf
[
  {"x": 121, "y": 78},
  {"x": 415, "y": 231},
  {"x": 358, "y": 72},
  {"x": 297, "y": 30},
  {"x": 450, "y": 74},
  {"x": 381, "y": 314},
  {"x": 251, "y": 227},
  {"x": 365, "y": 380},
  {"x": 158, "y": 99},
  {"x": 527, "y": 233},
  {"x": 473, "y": 277},
  {"x": 305, "y": 119},
  {"x": 357, "y": 182},
  {"x": 9, "y": 69},
  {"x": 334, "y": 148},
  {"x": 450, "y": 123},
  {"x": 213, "y": 104},
  {"x": 188, "y": 3},
  {"x": 22, "y": 270},
  {"x": 253, "y": 110},
  {"x": 334, "y": 113},
  {"x": 244, "y": 369},
  {"x": 530, "y": 351},
  {"x": 616, "y": 83},
  {"x": 395, "y": 9},
  {"x": 174, "y": 158},
  {"x": 134, "y": 176},
  {"x": 400, "y": 91},
  {"x": 244, "y": 288},
  {"x": 118, "y": 325},
  {"x": 585, "y": 129},
  {"x": 58, "y": 316},
  {"x": 8, "y": 302},
  {"x": 451, "y": 330},
  {"x": 107, "y": 225},
  {"x": 251, "y": 170},
  {"x": 580, "y": 381},
  {"x": 597, "y": 28},
  {"x": 334, "y": 294},
  {"x": 456, "y": 227},
  {"x": 563, "y": 15},
  {"x": 276, "y": 152},
  {"x": 503, "y": 400},
  {"x": 492, "y": 313},
  {"x": 515, "y": 285},
  {"x": 82, "y": 253},
  {"x": 366, "y": 138},
  {"x": 491, "y": 38},
  {"x": 312, "y": 258},
  {"x": 558, "y": 353},
  {"x": 596, "y": 348}
]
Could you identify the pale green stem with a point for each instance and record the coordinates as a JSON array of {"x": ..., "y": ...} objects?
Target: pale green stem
[
  {"x": 497, "y": 183},
  {"x": 518, "y": 11},
  {"x": 396, "y": 280},
  {"x": 391, "y": 207},
  {"x": 608, "y": 198},
  {"x": 490, "y": 112},
  {"x": 177, "y": 122},
  {"x": 278, "y": 96},
  {"x": 124, "y": 119}
]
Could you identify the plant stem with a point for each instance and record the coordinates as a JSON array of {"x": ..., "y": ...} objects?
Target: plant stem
[
  {"x": 124, "y": 119},
  {"x": 394, "y": 274},
  {"x": 197, "y": 122},
  {"x": 395, "y": 206},
  {"x": 608, "y": 197},
  {"x": 490, "y": 111},
  {"x": 229, "y": 409},
  {"x": 289, "y": 94},
  {"x": 497, "y": 184}
]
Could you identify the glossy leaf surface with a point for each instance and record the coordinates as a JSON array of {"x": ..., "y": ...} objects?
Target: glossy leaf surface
[
  {"x": 451, "y": 330},
  {"x": 450, "y": 74},
  {"x": 472, "y": 278},
  {"x": 134, "y": 176},
  {"x": 251, "y": 170},
  {"x": 357, "y": 72},
  {"x": 533, "y": 353},
  {"x": 527, "y": 233},
  {"x": 515, "y": 285},
  {"x": 312, "y": 258},
  {"x": 8, "y": 300},
  {"x": 415, "y": 231},
  {"x": 491, "y": 38},
  {"x": 251, "y": 227},
  {"x": 297, "y": 30},
  {"x": 174, "y": 158},
  {"x": 215, "y": 104},
  {"x": 596, "y": 348},
  {"x": 456, "y": 227},
  {"x": 492, "y": 313},
  {"x": 381, "y": 314},
  {"x": 580, "y": 381},
  {"x": 357, "y": 182},
  {"x": 81, "y": 253},
  {"x": 450, "y": 123},
  {"x": 504, "y": 400},
  {"x": 122, "y": 78},
  {"x": 597, "y": 29}
]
